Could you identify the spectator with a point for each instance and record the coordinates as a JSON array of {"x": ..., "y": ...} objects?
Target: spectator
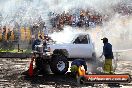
[
  {"x": 37, "y": 41},
  {"x": 8, "y": 35},
  {"x": 4, "y": 33}
]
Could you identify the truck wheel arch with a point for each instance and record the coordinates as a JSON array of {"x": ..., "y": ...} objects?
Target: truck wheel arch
[{"x": 63, "y": 52}]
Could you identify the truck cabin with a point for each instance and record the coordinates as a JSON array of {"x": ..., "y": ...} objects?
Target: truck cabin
[{"x": 82, "y": 39}]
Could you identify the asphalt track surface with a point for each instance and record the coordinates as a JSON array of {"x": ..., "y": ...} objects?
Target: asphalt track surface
[{"x": 11, "y": 76}]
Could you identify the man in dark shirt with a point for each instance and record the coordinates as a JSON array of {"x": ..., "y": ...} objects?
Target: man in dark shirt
[
  {"x": 107, "y": 52},
  {"x": 37, "y": 41}
]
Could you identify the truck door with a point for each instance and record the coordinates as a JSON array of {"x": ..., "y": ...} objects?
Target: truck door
[{"x": 81, "y": 47}]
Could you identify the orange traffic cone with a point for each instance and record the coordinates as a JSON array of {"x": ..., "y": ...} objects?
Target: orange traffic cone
[{"x": 30, "y": 71}]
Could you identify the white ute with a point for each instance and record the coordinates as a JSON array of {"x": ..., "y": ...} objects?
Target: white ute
[{"x": 81, "y": 46}]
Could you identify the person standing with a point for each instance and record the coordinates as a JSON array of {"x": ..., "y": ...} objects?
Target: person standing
[
  {"x": 37, "y": 41},
  {"x": 108, "y": 54}
]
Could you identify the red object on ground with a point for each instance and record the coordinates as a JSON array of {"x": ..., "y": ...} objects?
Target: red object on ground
[
  {"x": 104, "y": 78},
  {"x": 30, "y": 70}
]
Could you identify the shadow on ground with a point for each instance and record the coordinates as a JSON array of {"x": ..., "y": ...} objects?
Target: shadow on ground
[{"x": 52, "y": 79}]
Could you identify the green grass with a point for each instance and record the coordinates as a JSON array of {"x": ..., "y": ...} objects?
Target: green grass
[{"x": 16, "y": 50}]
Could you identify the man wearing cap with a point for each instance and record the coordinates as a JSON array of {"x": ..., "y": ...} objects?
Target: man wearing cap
[{"x": 107, "y": 52}]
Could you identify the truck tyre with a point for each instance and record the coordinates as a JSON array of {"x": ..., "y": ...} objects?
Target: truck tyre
[{"x": 59, "y": 64}]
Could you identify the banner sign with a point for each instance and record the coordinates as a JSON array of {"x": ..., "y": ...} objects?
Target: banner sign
[{"x": 114, "y": 78}]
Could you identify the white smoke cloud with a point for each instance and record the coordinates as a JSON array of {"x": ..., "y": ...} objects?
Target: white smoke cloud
[
  {"x": 65, "y": 36},
  {"x": 118, "y": 29}
]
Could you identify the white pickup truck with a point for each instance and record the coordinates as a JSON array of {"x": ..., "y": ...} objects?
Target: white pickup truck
[{"x": 81, "y": 46}]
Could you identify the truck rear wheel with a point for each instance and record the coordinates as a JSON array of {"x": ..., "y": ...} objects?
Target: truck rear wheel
[{"x": 59, "y": 64}]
